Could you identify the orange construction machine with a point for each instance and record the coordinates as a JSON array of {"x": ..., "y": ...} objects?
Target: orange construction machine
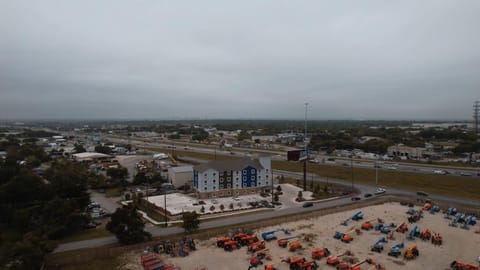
[
  {"x": 426, "y": 234},
  {"x": 346, "y": 266},
  {"x": 231, "y": 245},
  {"x": 335, "y": 259},
  {"x": 463, "y": 266},
  {"x": 221, "y": 241},
  {"x": 411, "y": 253},
  {"x": 293, "y": 246},
  {"x": 437, "y": 239},
  {"x": 318, "y": 253},
  {"x": 402, "y": 228},
  {"x": 256, "y": 246},
  {"x": 294, "y": 262}
]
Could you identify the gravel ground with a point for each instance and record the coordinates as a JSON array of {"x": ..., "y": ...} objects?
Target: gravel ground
[{"x": 459, "y": 244}]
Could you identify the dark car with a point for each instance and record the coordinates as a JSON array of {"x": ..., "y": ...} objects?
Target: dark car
[
  {"x": 307, "y": 204},
  {"x": 367, "y": 195},
  {"x": 421, "y": 193},
  {"x": 356, "y": 198}
]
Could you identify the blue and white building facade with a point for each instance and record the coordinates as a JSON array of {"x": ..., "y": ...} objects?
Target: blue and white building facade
[{"x": 226, "y": 178}]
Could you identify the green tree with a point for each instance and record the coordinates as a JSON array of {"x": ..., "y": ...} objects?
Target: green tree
[
  {"x": 279, "y": 188},
  {"x": 202, "y": 209},
  {"x": 103, "y": 149},
  {"x": 118, "y": 175},
  {"x": 275, "y": 197},
  {"x": 243, "y": 135},
  {"x": 127, "y": 226},
  {"x": 29, "y": 253},
  {"x": 79, "y": 148},
  {"x": 222, "y": 207},
  {"x": 212, "y": 208},
  {"x": 190, "y": 221}
]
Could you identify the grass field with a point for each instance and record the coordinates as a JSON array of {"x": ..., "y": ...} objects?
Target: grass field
[
  {"x": 100, "y": 231},
  {"x": 457, "y": 186}
]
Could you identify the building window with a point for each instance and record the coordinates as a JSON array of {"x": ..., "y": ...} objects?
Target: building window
[
  {"x": 205, "y": 182},
  {"x": 253, "y": 171},
  {"x": 244, "y": 178},
  {"x": 267, "y": 170},
  {"x": 214, "y": 181},
  {"x": 237, "y": 172},
  {"x": 205, "y": 188},
  {"x": 244, "y": 172},
  {"x": 236, "y": 185},
  {"x": 214, "y": 174},
  {"x": 266, "y": 183},
  {"x": 229, "y": 178},
  {"x": 252, "y": 178},
  {"x": 259, "y": 177},
  {"x": 228, "y": 186},
  {"x": 236, "y": 179},
  {"x": 214, "y": 187},
  {"x": 205, "y": 175},
  {"x": 266, "y": 176}
]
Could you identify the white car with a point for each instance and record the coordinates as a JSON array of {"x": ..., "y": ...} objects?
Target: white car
[
  {"x": 442, "y": 172},
  {"x": 380, "y": 191}
]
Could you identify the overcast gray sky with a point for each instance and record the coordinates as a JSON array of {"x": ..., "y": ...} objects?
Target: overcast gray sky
[{"x": 239, "y": 59}]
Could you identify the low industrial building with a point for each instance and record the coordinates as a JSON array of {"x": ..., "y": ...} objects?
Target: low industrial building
[
  {"x": 405, "y": 152},
  {"x": 179, "y": 176},
  {"x": 223, "y": 178}
]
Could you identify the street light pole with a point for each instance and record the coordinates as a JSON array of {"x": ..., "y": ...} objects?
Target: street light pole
[
  {"x": 306, "y": 151},
  {"x": 351, "y": 165}
]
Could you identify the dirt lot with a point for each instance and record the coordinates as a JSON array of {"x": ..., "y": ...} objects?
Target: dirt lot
[{"x": 459, "y": 244}]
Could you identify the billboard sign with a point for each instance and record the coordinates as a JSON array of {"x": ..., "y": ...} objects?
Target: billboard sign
[{"x": 298, "y": 155}]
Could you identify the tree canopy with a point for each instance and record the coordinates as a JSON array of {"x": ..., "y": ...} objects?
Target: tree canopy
[{"x": 127, "y": 226}]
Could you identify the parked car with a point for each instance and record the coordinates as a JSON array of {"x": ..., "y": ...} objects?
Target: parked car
[
  {"x": 356, "y": 198},
  {"x": 380, "y": 191},
  {"x": 307, "y": 204},
  {"x": 466, "y": 174},
  {"x": 367, "y": 195}
]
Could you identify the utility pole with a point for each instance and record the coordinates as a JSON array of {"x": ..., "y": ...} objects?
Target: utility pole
[
  {"x": 351, "y": 165},
  {"x": 476, "y": 113},
  {"x": 306, "y": 151},
  {"x": 165, "y": 208}
]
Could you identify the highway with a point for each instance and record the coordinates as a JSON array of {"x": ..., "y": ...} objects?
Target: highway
[{"x": 168, "y": 145}]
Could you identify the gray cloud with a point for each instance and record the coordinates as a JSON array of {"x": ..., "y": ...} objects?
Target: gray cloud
[{"x": 249, "y": 59}]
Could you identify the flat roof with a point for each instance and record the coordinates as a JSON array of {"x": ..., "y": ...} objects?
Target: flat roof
[
  {"x": 86, "y": 155},
  {"x": 181, "y": 169}
]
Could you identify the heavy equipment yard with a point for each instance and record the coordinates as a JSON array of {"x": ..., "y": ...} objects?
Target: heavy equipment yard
[{"x": 434, "y": 244}]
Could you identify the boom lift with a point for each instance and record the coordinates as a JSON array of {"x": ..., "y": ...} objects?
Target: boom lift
[
  {"x": 378, "y": 246},
  {"x": 414, "y": 233},
  {"x": 470, "y": 219},
  {"x": 318, "y": 253},
  {"x": 346, "y": 266},
  {"x": 357, "y": 216},
  {"x": 455, "y": 265},
  {"x": 402, "y": 228},
  {"x": 450, "y": 212},
  {"x": 412, "y": 252},
  {"x": 335, "y": 259},
  {"x": 345, "y": 237},
  {"x": 395, "y": 250},
  {"x": 437, "y": 239},
  {"x": 454, "y": 223},
  {"x": 267, "y": 236}
]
